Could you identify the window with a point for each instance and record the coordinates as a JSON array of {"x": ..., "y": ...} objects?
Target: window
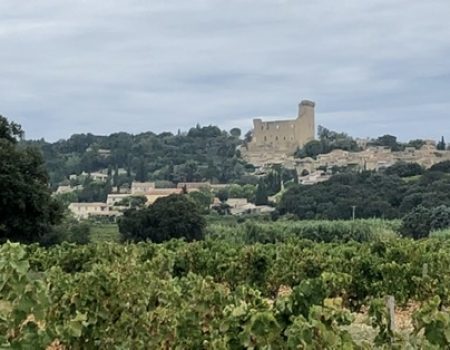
[
  {"x": 265, "y": 138},
  {"x": 276, "y": 138},
  {"x": 262, "y": 127},
  {"x": 278, "y": 126}
]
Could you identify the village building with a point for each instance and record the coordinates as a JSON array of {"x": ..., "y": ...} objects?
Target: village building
[
  {"x": 64, "y": 189},
  {"x": 141, "y": 188},
  {"x": 314, "y": 178},
  {"x": 86, "y": 210},
  {"x": 194, "y": 186},
  {"x": 372, "y": 158},
  {"x": 241, "y": 206},
  {"x": 100, "y": 177},
  {"x": 156, "y": 193},
  {"x": 115, "y": 198}
]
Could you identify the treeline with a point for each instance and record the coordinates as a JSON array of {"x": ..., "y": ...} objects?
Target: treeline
[
  {"x": 202, "y": 153},
  {"x": 389, "y": 195}
]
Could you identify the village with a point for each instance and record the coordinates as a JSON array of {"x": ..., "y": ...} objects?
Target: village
[
  {"x": 273, "y": 144},
  {"x": 116, "y": 203}
]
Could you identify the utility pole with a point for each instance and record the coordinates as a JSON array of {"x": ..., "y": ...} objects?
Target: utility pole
[{"x": 353, "y": 212}]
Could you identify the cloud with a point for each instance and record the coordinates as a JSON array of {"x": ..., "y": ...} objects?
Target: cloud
[{"x": 108, "y": 65}]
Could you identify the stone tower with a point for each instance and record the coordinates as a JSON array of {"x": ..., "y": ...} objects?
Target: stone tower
[{"x": 284, "y": 136}]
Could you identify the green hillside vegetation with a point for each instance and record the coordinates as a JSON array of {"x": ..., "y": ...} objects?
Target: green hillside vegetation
[
  {"x": 389, "y": 195},
  {"x": 202, "y": 153}
]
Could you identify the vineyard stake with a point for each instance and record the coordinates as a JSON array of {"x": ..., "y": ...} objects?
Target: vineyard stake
[{"x": 390, "y": 304}]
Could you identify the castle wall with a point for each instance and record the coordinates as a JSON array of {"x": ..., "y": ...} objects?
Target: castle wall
[
  {"x": 279, "y": 134},
  {"x": 284, "y": 135}
]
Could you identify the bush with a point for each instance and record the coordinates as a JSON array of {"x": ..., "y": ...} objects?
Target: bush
[
  {"x": 70, "y": 231},
  {"x": 421, "y": 221},
  {"x": 440, "y": 218},
  {"x": 417, "y": 224},
  {"x": 403, "y": 169},
  {"x": 175, "y": 216}
]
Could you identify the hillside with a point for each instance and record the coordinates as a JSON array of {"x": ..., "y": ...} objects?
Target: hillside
[
  {"x": 203, "y": 153},
  {"x": 388, "y": 194}
]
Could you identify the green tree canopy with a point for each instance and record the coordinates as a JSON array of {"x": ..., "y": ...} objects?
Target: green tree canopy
[
  {"x": 175, "y": 216},
  {"x": 27, "y": 210}
]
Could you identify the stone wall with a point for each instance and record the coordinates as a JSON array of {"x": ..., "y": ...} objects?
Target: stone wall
[{"x": 284, "y": 136}]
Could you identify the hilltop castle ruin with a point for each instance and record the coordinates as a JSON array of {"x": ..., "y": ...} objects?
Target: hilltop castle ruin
[{"x": 284, "y": 136}]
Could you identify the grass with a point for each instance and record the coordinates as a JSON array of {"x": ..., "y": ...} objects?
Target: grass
[{"x": 104, "y": 233}]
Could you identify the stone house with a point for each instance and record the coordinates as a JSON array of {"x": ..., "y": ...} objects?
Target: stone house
[
  {"x": 141, "y": 188},
  {"x": 86, "y": 210}
]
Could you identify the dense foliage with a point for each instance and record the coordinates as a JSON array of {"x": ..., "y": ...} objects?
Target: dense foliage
[
  {"x": 203, "y": 153},
  {"x": 257, "y": 231},
  {"x": 421, "y": 221},
  {"x": 373, "y": 194},
  {"x": 220, "y": 294},
  {"x": 27, "y": 210},
  {"x": 175, "y": 216},
  {"x": 328, "y": 141}
]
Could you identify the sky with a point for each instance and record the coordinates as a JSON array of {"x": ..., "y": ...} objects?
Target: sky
[{"x": 373, "y": 67}]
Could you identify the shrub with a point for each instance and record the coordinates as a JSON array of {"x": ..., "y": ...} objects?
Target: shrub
[
  {"x": 421, "y": 221},
  {"x": 417, "y": 224}
]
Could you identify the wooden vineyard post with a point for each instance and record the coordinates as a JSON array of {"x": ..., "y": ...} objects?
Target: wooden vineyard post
[
  {"x": 390, "y": 305},
  {"x": 424, "y": 270}
]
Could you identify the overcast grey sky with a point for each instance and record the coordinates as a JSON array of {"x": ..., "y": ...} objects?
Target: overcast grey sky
[{"x": 100, "y": 66}]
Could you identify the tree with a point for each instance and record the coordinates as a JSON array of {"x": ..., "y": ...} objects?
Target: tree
[
  {"x": 328, "y": 141},
  {"x": 141, "y": 172},
  {"x": 311, "y": 149},
  {"x": 248, "y": 136},
  {"x": 417, "y": 223},
  {"x": 417, "y": 144},
  {"x": 403, "y": 169},
  {"x": 442, "y": 166},
  {"x": 440, "y": 218},
  {"x": 175, "y": 216},
  {"x": 441, "y": 146},
  {"x": 421, "y": 221},
  {"x": 203, "y": 200},
  {"x": 235, "y": 132},
  {"x": 10, "y": 131},
  {"x": 27, "y": 210},
  {"x": 261, "y": 197},
  {"x": 132, "y": 202},
  {"x": 223, "y": 194},
  {"x": 388, "y": 141}
]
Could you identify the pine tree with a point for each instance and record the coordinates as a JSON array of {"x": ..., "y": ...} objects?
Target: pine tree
[{"x": 441, "y": 146}]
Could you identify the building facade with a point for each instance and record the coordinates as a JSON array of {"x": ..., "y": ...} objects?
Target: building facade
[{"x": 284, "y": 135}]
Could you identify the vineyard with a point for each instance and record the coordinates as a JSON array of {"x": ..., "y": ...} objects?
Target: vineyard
[{"x": 224, "y": 294}]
